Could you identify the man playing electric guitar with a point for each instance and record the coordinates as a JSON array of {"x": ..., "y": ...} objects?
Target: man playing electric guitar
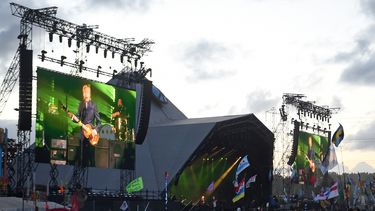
[{"x": 88, "y": 114}]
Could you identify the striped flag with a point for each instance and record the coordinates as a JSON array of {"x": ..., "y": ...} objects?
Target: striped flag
[
  {"x": 329, "y": 194},
  {"x": 240, "y": 192},
  {"x": 338, "y": 136},
  {"x": 252, "y": 179},
  {"x": 242, "y": 166},
  {"x": 333, "y": 191}
]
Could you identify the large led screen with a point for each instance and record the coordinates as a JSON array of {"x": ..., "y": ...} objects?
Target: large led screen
[
  {"x": 83, "y": 122},
  {"x": 311, "y": 151}
]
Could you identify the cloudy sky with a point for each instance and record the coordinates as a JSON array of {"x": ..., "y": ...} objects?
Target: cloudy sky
[{"x": 232, "y": 57}]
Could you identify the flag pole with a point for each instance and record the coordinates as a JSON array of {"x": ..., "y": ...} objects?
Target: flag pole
[{"x": 343, "y": 173}]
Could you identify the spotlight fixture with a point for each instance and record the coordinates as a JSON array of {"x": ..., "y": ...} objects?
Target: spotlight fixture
[
  {"x": 97, "y": 71},
  {"x": 113, "y": 54},
  {"x": 135, "y": 63},
  {"x": 60, "y": 38},
  {"x": 96, "y": 49},
  {"x": 81, "y": 65},
  {"x": 105, "y": 53},
  {"x": 114, "y": 73},
  {"x": 122, "y": 58},
  {"x": 78, "y": 43},
  {"x": 87, "y": 48},
  {"x": 62, "y": 60},
  {"x": 70, "y": 42},
  {"x": 50, "y": 36},
  {"x": 43, "y": 55}
]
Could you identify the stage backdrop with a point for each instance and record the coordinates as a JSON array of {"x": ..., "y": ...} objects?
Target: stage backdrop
[
  {"x": 58, "y": 138},
  {"x": 311, "y": 150}
]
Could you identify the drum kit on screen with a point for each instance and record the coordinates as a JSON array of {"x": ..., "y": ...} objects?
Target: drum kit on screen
[{"x": 120, "y": 131}]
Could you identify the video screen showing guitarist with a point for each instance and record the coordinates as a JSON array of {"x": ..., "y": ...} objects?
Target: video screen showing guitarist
[{"x": 88, "y": 115}]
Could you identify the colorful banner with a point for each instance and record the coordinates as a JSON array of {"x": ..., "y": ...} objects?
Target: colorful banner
[
  {"x": 242, "y": 166},
  {"x": 338, "y": 136},
  {"x": 240, "y": 192}
]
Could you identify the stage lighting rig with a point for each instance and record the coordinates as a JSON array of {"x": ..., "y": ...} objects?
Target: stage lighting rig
[
  {"x": 84, "y": 33},
  {"x": 308, "y": 107},
  {"x": 75, "y": 66}
]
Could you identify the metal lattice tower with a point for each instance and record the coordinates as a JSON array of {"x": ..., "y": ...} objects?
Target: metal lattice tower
[{"x": 84, "y": 35}]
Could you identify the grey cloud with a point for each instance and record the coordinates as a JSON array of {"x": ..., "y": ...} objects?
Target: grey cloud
[
  {"x": 260, "y": 100},
  {"x": 9, "y": 31},
  {"x": 368, "y": 7},
  {"x": 362, "y": 48},
  {"x": 9, "y": 42},
  {"x": 205, "y": 59},
  {"x": 337, "y": 103},
  {"x": 121, "y": 4},
  {"x": 360, "y": 60},
  {"x": 11, "y": 125},
  {"x": 364, "y": 139},
  {"x": 360, "y": 72}
]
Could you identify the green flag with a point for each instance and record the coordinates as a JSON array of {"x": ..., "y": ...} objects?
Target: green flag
[{"x": 135, "y": 185}]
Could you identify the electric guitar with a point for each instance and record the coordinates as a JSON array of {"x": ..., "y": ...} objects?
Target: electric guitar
[
  {"x": 311, "y": 164},
  {"x": 87, "y": 128}
]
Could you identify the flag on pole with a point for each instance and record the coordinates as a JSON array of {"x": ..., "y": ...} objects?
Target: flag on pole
[
  {"x": 242, "y": 166},
  {"x": 333, "y": 191},
  {"x": 320, "y": 196},
  {"x": 252, "y": 179},
  {"x": 211, "y": 187},
  {"x": 124, "y": 206},
  {"x": 329, "y": 194},
  {"x": 240, "y": 192},
  {"x": 329, "y": 161},
  {"x": 338, "y": 136},
  {"x": 135, "y": 185}
]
